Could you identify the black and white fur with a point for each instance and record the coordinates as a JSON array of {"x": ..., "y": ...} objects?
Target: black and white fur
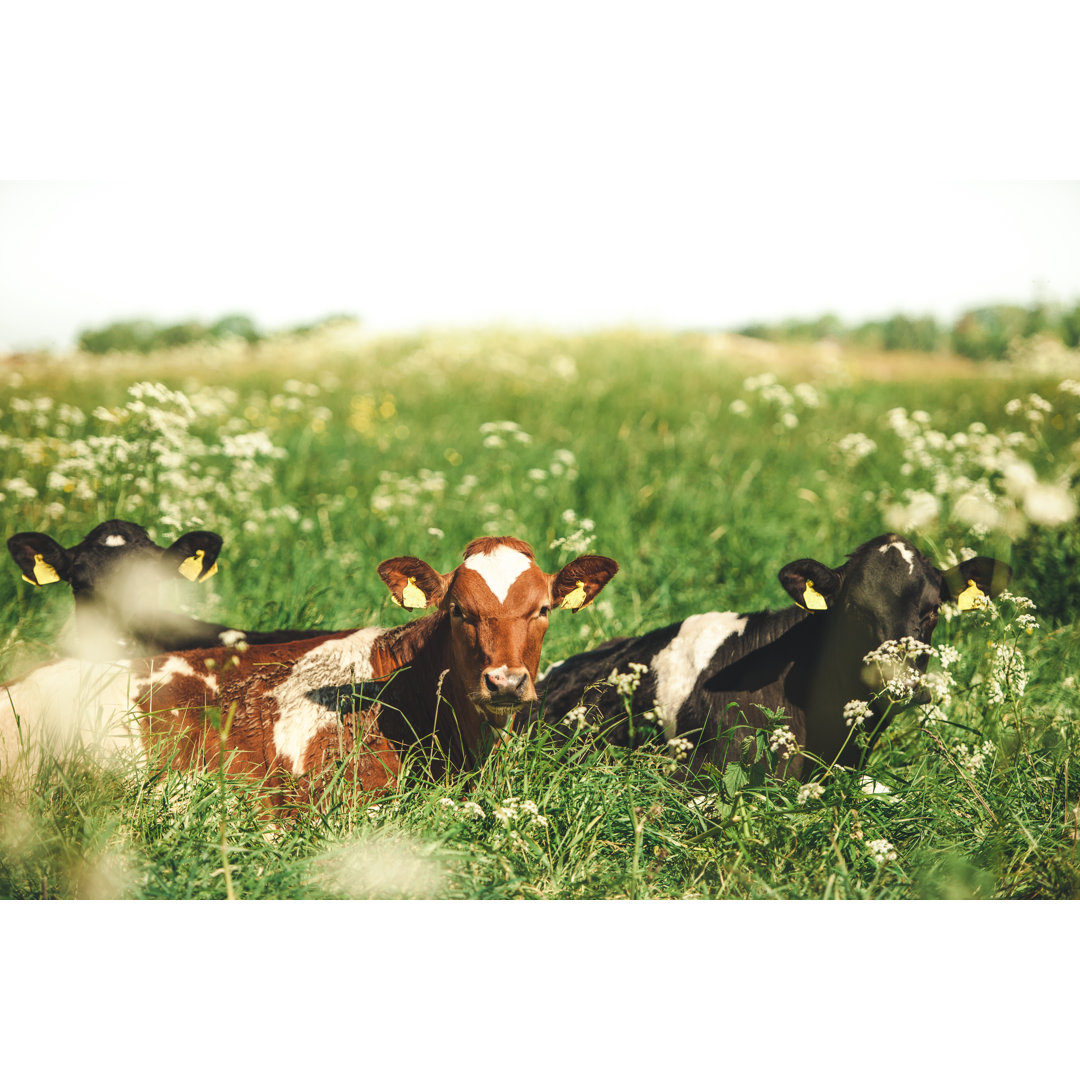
[{"x": 708, "y": 672}]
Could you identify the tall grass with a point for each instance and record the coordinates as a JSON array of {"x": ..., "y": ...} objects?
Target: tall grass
[{"x": 700, "y": 470}]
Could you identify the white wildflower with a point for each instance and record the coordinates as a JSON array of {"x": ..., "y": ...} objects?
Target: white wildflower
[
  {"x": 782, "y": 741},
  {"x": 809, "y": 791},
  {"x": 882, "y": 851},
  {"x": 680, "y": 747},
  {"x": 856, "y": 712}
]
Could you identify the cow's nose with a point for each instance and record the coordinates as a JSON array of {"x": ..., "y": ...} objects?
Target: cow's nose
[{"x": 505, "y": 681}]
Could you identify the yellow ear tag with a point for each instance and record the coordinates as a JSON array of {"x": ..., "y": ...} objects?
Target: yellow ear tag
[
  {"x": 412, "y": 596},
  {"x": 971, "y": 597},
  {"x": 812, "y": 599},
  {"x": 575, "y": 598},
  {"x": 191, "y": 567},
  {"x": 209, "y": 573},
  {"x": 43, "y": 573}
]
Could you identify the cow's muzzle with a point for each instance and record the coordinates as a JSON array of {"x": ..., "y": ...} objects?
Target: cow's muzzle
[{"x": 503, "y": 690}]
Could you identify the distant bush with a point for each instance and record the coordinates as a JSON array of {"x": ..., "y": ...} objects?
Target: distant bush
[
  {"x": 136, "y": 335},
  {"x": 144, "y": 336},
  {"x": 983, "y": 333}
]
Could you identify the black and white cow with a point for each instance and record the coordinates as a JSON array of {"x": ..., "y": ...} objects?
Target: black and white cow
[
  {"x": 705, "y": 673},
  {"x": 114, "y": 573}
]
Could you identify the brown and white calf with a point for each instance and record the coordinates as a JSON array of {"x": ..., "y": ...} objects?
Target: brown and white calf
[
  {"x": 442, "y": 684},
  {"x": 707, "y": 673},
  {"x": 114, "y": 573}
]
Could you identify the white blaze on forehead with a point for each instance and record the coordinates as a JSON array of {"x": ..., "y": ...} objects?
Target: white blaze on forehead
[
  {"x": 905, "y": 550},
  {"x": 678, "y": 665},
  {"x": 114, "y": 541},
  {"x": 302, "y": 709},
  {"x": 499, "y": 569}
]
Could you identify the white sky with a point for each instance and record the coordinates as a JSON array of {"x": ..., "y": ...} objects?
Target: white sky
[{"x": 568, "y": 165}]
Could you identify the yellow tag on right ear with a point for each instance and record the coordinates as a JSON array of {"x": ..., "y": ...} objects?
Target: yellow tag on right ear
[
  {"x": 575, "y": 598},
  {"x": 971, "y": 597},
  {"x": 812, "y": 599},
  {"x": 412, "y": 596},
  {"x": 191, "y": 567},
  {"x": 44, "y": 573}
]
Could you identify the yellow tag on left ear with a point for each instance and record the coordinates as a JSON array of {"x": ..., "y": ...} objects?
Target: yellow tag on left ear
[
  {"x": 971, "y": 597},
  {"x": 812, "y": 599},
  {"x": 575, "y": 598},
  {"x": 191, "y": 567},
  {"x": 412, "y": 596},
  {"x": 44, "y": 573},
  {"x": 209, "y": 573}
]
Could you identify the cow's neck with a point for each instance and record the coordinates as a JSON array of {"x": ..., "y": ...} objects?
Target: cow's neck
[{"x": 432, "y": 696}]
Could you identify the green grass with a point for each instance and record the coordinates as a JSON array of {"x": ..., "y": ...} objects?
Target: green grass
[{"x": 385, "y": 454}]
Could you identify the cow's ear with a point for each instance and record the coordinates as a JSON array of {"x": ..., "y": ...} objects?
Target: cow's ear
[
  {"x": 812, "y": 585},
  {"x": 578, "y": 582},
  {"x": 194, "y": 555},
  {"x": 40, "y": 558},
  {"x": 973, "y": 580},
  {"x": 412, "y": 583}
]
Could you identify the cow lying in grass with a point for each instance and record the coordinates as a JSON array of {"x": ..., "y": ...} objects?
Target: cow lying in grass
[
  {"x": 704, "y": 676},
  {"x": 114, "y": 573},
  {"x": 443, "y": 684}
]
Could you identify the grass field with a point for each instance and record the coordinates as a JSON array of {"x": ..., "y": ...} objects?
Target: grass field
[{"x": 702, "y": 464}]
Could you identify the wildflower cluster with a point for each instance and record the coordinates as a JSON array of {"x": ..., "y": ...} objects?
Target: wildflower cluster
[
  {"x": 465, "y": 808},
  {"x": 626, "y": 684},
  {"x": 782, "y": 742},
  {"x": 856, "y": 712},
  {"x": 146, "y": 458},
  {"x": 899, "y": 664},
  {"x": 416, "y": 499},
  {"x": 784, "y": 401},
  {"x": 808, "y": 792},
  {"x": 577, "y": 718},
  {"x": 680, "y": 747},
  {"x": 522, "y": 811},
  {"x": 972, "y": 759},
  {"x": 578, "y": 541},
  {"x": 882, "y": 851},
  {"x": 497, "y": 434},
  {"x": 980, "y": 480}
]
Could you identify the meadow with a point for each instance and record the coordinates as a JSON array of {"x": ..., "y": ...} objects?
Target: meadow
[{"x": 702, "y": 464}]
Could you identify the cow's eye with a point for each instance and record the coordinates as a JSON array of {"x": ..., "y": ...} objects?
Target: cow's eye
[
  {"x": 457, "y": 612},
  {"x": 544, "y": 612}
]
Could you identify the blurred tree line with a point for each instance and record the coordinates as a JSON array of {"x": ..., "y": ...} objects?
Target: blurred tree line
[
  {"x": 144, "y": 335},
  {"x": 982, "y": 333}
]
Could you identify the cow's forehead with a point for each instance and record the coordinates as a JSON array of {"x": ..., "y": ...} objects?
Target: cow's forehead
[
  {"x": 903, "y": 549},
  {"x": 505, "y": 574}
]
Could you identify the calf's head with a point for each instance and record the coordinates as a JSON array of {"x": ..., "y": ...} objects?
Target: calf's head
[
  {"x": 496, "y": 605},
  {"x": 114, "y": 570},
  {"x": 887, "y": 590}
]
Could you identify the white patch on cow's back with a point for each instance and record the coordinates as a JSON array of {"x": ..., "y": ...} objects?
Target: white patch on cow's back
[
  {"x": 161, "y": 674},
  {"x": 499, "y": 569},
  {"x": 64, "y": 704},
  {"x": 114, "y": 541},
  {"x": 333, "y": 663},
  {"x": 678, "y": 665},
  {"x": 906, "y": 551}
]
